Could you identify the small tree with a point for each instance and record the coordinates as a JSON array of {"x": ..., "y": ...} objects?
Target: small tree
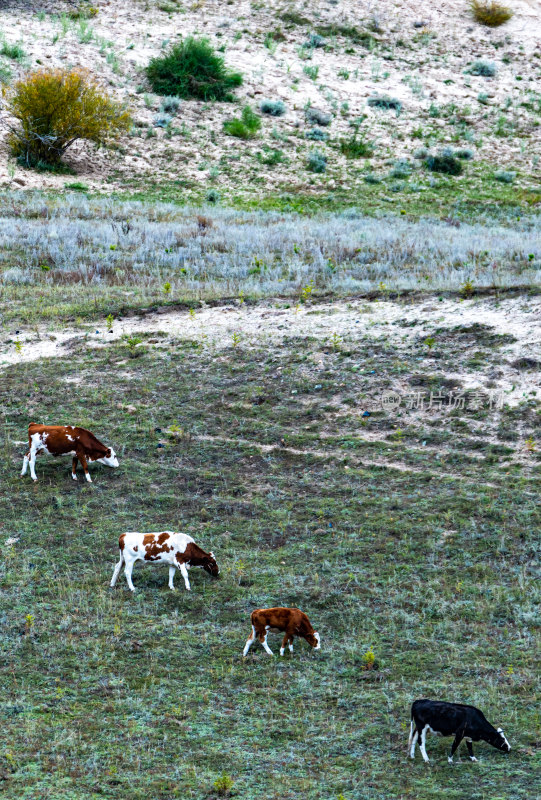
[{"x": 56, "y": 107}]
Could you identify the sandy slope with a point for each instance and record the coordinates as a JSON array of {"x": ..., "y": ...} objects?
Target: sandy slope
[{"x": 420, "y": 66}]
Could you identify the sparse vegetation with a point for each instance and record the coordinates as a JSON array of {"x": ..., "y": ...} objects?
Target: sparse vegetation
[
  {"x": 445, "y": 163},
  {"x": 192, "y": 69}
]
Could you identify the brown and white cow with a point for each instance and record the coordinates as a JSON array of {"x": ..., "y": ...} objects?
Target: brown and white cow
[
  {"x": 289, "y": 620},
  {"x": 66, "y": 440},
  {"x": 176, "y": 549}
]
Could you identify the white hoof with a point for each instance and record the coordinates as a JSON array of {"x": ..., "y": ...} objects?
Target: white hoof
[
  {"x": 74, "y": 476},
  {"x": 472, "y": 758},
  {"x": 449, "y": 759},
  {"x": 281, "y": 651}
]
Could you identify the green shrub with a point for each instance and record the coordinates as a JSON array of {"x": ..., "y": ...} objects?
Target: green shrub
[
  {"x": 14, "y": 51},
  {"x": 315, "y": 40},
  {"x": 356, "y": 146},
  {"x": 491, "y": 13},
  {"x": 213, "y": 196},
  {"x": 55, "y": 108},
  {"x": 316, "y": 162},
  {"x": 273, "y": 107},
  {"x": 486, "y": 69},
  {"x": 504, "y": 177},
  {"x": 191, "y": 69},
  {"x": 223, "y": 785},
  {"x": 245, "y": 127},
  {"x": 386, "y": 103},
  {"x": 445, "y": 163}
]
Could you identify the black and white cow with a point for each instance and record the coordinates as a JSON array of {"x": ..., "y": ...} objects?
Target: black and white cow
[{"x": 452, "y": 719}]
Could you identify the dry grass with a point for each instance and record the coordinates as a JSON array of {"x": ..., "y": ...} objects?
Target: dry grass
[{"x": 490, "y": 13}]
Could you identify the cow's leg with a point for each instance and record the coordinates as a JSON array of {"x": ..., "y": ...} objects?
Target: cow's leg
[
  {"x": 412, "y": 741},
  {"x": 283, "y": 647},
  {"x": 458, "y": 739},
  {"x": 33, "y": 463},
  {"x": 249, "y": 642},
  {"x": 184, "y": 571},
  {"x": 129, "y": 562},
  {"x": 172, "y": 570},
  {"x": 25, "y": 463},
  {"x": 82, "y": 458},
  {"x": 422, "y": 746},
  {"x": 74, "y": 468},
  {"x": 263, "y": 640},
  {"x": 118, "y": 567},
  {"x": 470, "y": 750}
]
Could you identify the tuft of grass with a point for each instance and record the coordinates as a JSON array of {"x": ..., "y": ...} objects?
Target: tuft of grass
[
  {"x": 14, "y": 51},
  {"x": 490, "y": 12},
  {"x": 246, "y": 126},
  {"x": 505, "y": 176},
  {"x": 192, "y": 69}
]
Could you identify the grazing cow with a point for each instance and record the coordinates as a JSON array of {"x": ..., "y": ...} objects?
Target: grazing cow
[
  {"x": 452, "y": 719},
  {"x": 176, "y": 549},
  {"x": 65, "y": 440},
  {"x": 289, "y": 620}
]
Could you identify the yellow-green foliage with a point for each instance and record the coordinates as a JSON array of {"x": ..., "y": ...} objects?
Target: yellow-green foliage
[
  {"x": 490, "y": 12},
  {"x": 56, "y": 107}
]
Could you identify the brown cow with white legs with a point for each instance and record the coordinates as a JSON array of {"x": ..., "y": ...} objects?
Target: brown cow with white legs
[
  {"x": 290, "y": 621},
  {"x": 66, "y": 440}
]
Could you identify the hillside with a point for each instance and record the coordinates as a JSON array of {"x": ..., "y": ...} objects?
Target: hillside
[{"x": 327, "y": 56}]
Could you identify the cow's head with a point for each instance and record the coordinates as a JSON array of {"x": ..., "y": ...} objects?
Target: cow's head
[
  {"x": 210, "y": 565},
  {"x": 313, "y": 639},
  {"x": 498, "y": 740},
  {"x": 109, "y": 459}
]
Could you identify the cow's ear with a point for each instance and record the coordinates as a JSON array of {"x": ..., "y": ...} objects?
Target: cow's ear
[{"x": 108, "y": 453}]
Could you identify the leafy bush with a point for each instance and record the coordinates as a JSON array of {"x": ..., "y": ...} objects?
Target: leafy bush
[
  {"x": 504, "y": 177},
  {"x": 371, "y": 179},
  {"x": 444, "y": 163},
  {"x": 213, "y": 195},
  {"x": 273, "y": 107},
  {"x": 491, "y": 13},
  {"x": 317, "y": 135},
  {"x": 223, "y": 785},
  {"x": 245, "y": 127},
  {"x": 170, "y": 105},
  {"x": 191, "y": 69},
  {"x": 54, "y": 109},
  {"x": 486, "y": 69},
  {"x": 386, "y": 103},
  {"x": 317, "y": 161}
]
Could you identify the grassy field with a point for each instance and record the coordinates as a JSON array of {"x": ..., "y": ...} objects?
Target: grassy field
[{"x": 414, "y": 538}]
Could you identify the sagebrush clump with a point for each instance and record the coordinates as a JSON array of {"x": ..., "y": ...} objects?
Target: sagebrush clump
[
  {"x": 55, "y": 108},
  {"x": 192, "y": 69},
  {"x": 490, "y": 13},
  {"x": 386, "y": 103},
  {"x": 275, "y": 108},
  {"x": 316, "y": 162},
  {"x": 486, "y": 69}
]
